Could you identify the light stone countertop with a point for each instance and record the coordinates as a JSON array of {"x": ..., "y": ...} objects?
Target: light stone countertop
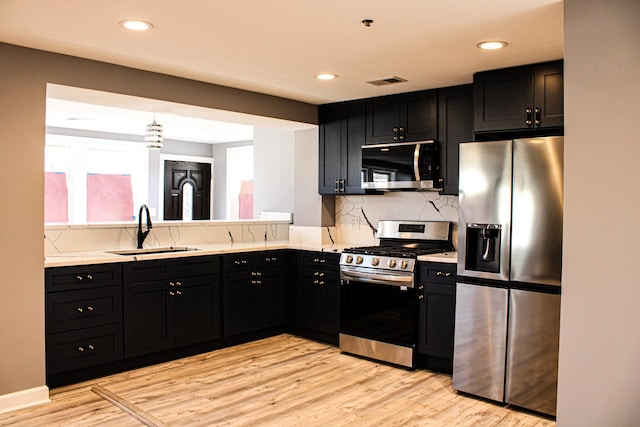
[
  {"x": 103, "y": 257},
  {"x": 446, "y": 257}
]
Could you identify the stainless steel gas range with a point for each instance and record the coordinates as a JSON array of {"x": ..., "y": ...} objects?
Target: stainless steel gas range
[{"x": 378, "y": 295}]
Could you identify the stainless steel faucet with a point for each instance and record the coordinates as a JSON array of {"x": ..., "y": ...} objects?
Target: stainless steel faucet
[{"x": 143, "y": 234}]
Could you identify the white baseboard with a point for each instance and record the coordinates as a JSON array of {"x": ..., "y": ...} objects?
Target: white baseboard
[{"x": 24, "y": 399}]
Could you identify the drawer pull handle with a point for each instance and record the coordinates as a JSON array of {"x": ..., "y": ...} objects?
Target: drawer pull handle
[{"x": 442, "y": 273}]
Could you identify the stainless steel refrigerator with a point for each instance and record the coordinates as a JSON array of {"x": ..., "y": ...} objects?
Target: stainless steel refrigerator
[{"x": 509, "y": 271}]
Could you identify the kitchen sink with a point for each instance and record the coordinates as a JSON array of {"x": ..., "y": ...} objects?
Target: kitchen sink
[{"x": 149, "y": 251}]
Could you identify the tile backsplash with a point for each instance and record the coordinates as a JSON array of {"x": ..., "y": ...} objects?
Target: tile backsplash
[
  {"x": 77, "y": 238},
  {"x": 352, "y": 212}
]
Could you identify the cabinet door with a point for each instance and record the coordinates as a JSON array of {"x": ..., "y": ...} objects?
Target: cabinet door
[
  {"x": 330, "y": 156},
  {"x": 329, "y": 303},
  {"x": 383, "y": 119},
  {"x": 353, "y": 138},
  {"x": 197, "y": 309},
  {"x": 237, "y": 303},
  {"x": 455, "y": 125},
  {"x": 549, "y": 94},
  {"x": 436, "y": 320},
  {"x": 308, "y": 299},
  {"x": 269, "y": 298},
  {"x": 501, "y": 98},
  {"x": 148, "y": 318},
  {"x": 419, "y": 116}
]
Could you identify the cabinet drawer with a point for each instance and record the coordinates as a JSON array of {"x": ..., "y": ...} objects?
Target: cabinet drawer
[
  {"x": 318, "y": 260},
  {"x": 196, "y": 266},
  {"x": 146, "y": 271},
  {"x": 82, "y": 276},
  {"x": 237, "y": 262},
  {"x": 437, "y": 272},
  {"x": 87, "y": 347},
  {"x": 70, "y": 310},
  {"x": 270, "y": 259}
]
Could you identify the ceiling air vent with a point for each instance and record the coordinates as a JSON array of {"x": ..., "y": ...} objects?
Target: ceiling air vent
[{"x": 387, "y": 81}]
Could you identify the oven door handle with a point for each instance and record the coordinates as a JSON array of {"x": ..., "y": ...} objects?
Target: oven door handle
[{"x": 379, "y": 278}]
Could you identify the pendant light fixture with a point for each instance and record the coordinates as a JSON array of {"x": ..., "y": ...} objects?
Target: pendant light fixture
[{"x": 153, "y": 138}]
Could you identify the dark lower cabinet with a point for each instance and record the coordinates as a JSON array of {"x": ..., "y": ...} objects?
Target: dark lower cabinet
[
  {"x": 317, "y": 290},
  {"x": 253, "y": 289},
  {"x": 172, "y": 305},
  {"x": 436, "y": 314},
  {"x": 83, "y": 313}
]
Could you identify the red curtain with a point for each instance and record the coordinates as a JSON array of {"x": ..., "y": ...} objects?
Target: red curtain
[
  {"x": 56, "y": 205},
  {"x": 245, "y": 199},
  {"x": 109, "y": 198}
]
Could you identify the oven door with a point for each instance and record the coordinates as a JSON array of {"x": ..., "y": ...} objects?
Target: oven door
[{"x": 378, "y": 321}]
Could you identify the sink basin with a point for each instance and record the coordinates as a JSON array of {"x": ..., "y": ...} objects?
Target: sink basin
[{"x": 149, "y": 251}]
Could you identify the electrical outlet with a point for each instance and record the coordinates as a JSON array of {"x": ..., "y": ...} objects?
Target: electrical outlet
[{"x": 354, "y": 223}]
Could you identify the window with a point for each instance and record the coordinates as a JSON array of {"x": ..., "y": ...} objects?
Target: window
[
  {"x": 240, "y": 182},
  {"x": 104, "y": 179}
]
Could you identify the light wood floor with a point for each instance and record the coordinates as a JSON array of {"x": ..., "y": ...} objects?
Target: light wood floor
[{"x": 278, "y": 381}]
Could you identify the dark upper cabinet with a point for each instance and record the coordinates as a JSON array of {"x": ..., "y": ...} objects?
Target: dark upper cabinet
[
  {"x": 529, "y": 98},
  {"x": 455, "y": 125},
  {"x": 342, "y": 129},
  {"x": 407, "y": 117}
]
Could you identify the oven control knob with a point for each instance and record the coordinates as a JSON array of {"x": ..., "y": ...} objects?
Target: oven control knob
[
  {"x": 349, "y": 259},
  {"x": 375, "y": 261},
  {"x": 404, "y": 264},
  {"x": 392, "y": 263},
  {"x": 359, "y": 260}
]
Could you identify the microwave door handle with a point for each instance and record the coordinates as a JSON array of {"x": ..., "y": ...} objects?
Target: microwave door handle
[{"x": 416, "y": 162}]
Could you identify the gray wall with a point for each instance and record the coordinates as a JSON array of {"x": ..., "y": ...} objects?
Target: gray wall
[
  {"x": 273, "y": 151},
  {"x": 24, "y": 75},
  {"x": 599, "y": 382},
  {"x": 220, "y": 177}
]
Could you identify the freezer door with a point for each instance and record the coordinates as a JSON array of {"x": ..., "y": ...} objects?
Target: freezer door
[
  {"x": 532, "y": 358},
  {"x": 480, "y": 340},
  {"x": 485, "y": 199},
  {"x": 536, "y": 233}
]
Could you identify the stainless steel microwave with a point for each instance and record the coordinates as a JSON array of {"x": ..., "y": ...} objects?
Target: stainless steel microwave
[{"x": 401, "y": 166}]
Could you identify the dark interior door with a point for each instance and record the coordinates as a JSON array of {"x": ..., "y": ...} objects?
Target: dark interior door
[{"x": 177, "y": 174}]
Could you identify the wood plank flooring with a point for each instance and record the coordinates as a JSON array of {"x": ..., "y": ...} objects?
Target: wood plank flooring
[{"x": 278, "y": 381}]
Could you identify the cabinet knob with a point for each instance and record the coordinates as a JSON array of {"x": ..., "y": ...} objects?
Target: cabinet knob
[
  {"x": 171, "y": 284},
  {"x": 80, "y": 349},
  {"x": 178, "y": 284},
  {"x": 172, "y": 293},
  {"x": 79, "y": 278},
  {"x": 79, "y": 309},
  {"x": 528, "y": 122},
  {"x": 178, "y": 292},
  {"x": 420, "y": 296},
  {"x": 538, "y": 119}
]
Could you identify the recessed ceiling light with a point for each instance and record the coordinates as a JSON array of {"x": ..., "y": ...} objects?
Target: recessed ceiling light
[
  {"x": 326, "y": 76},
  {"x": 492, "y": 45},
  {"x": 136, "y": 25}
]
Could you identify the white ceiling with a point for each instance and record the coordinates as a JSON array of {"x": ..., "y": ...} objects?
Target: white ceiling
[{"x": 276, "y": 47}]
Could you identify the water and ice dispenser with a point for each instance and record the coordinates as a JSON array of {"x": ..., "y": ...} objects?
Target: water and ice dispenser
[{"x": 483, "y": 247}]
